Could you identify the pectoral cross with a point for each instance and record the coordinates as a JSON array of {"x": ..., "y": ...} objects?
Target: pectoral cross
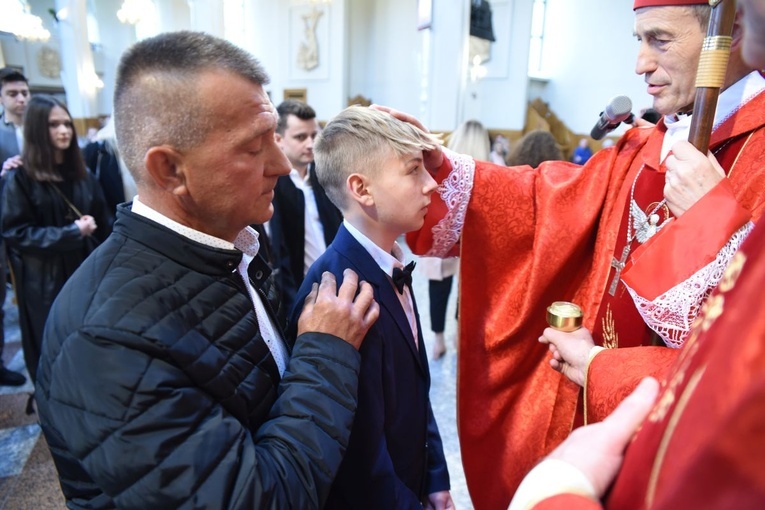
[{"x": 618, "y": 265}]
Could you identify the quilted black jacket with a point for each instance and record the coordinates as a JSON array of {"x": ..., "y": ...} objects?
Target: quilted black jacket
[{"x": 155, "y": 389}]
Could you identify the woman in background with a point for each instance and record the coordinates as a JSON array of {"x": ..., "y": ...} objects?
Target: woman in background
[
  {"x": 54, "y": 215},
  {"x": 534, "y": 148}
]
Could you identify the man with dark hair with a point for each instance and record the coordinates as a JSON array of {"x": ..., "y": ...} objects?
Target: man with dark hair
[
  {"x": 165, "y": 380},
  {"x": 14, "y": 95},
  {"x": 305, "y": 221}
]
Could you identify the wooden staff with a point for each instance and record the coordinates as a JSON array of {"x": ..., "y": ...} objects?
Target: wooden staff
[{"x": 710, "y": 76}]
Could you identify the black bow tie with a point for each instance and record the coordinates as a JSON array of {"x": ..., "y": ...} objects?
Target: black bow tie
[{"x": 403, "y": 277}]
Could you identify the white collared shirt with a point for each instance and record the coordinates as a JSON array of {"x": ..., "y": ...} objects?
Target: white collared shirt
[
  {"x": 387, "y": 262},
  {"x": 729, "y": 101},
  {"x": 314, "y": 244},
  {"x": 246, "y": 242}
]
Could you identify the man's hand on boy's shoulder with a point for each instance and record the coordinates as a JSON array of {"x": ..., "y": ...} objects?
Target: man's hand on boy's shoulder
[
  {"x": 339, "y": 312},
  {"x": 440, "y": 501},
  {"x": 432, "y": 159}
]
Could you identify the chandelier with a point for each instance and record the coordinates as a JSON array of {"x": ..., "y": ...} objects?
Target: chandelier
[
  {"x": 133, "y": 11},
  {"x": 19, "y": 21}
]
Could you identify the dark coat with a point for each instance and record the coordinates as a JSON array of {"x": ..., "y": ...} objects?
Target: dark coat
[
  {"x": 288, "y": 222},
  {"x": 45, "y": 247},
  {"x": 395, "y": 457},
  {"x": 103, "y": 163},
  {"x": 156, "y": 389}
]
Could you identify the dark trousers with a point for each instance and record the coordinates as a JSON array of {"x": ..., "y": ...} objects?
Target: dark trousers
[{"x": 439, "y": 290}]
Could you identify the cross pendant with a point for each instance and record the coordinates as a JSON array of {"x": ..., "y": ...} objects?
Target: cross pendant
[{"x": 618, "y": 265}]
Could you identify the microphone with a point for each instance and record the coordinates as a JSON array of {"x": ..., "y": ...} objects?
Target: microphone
[{"x": 616, "y": 112}]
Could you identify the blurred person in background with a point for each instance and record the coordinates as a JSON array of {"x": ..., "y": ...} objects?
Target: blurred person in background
[{"x": 534, "y": 148}]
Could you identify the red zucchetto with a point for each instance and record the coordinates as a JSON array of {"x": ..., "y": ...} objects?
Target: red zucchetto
[{"x": 663, "y": 3}]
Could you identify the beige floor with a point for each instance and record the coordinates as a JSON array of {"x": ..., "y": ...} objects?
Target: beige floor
[{"x": 33, "y": 484}]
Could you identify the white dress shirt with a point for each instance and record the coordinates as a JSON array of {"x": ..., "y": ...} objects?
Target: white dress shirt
[
  {"x": 387, "y": 262},
  {"x": 247, "y": 243},
  {"x": 314, "y": 244}
]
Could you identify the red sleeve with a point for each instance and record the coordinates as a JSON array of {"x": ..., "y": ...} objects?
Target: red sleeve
[
  {"x": 420, "y": 241},
  {"x": 615, "y": 373}
]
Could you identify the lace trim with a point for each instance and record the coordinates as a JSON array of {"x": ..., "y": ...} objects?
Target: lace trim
[
  {"x": 672, "y": 314},
  {"x": 455, "y": 192}
]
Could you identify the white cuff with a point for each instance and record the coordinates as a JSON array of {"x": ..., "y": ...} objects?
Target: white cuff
[{"x": 549, "y": 478}]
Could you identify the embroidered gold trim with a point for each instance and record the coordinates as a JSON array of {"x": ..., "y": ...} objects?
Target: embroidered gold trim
[
  {"x": 610, "y": 336},
  {"x": 669, "y": 432}
]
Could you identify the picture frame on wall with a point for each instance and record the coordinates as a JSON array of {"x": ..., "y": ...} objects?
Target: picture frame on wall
[
  {"x": 424, "y": 14},
  {"x": 296, "y": 94}
]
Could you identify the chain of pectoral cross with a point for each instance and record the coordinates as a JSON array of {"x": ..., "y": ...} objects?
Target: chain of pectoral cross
[{"x": 618, "y": 264}]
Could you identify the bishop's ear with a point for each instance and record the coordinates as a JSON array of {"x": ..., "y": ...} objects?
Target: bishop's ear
[{"x": 359, "y": 190}]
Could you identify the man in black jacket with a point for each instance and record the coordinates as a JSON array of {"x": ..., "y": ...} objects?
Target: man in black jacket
[
  {"x": 305, "y": 221},
  {"x": 14, "y": 96},
  {"x": 165, "y": 381}
]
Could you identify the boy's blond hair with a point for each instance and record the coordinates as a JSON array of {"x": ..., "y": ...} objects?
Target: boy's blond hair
[{"x": 356, "y": 140}]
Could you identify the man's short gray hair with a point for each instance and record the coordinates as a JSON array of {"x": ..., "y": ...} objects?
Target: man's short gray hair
[{"x": 156, "y": 98}]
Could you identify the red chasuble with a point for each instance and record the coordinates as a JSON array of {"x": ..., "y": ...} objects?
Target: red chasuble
[
  {"x": 703, "y": 445},
  {"x": 686, "y": 245},
  {"x": 531, "y": 237}
]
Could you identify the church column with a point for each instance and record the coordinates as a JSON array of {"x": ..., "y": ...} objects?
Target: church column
[{"x": 78, "y": 73}]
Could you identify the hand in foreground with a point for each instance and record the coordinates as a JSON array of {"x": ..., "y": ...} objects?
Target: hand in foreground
[
  {"x": 570, "y": 352},
  {"x": 339, "y": 314},
  {"x": 10, "y": 164},
  {"x": 86, "y": 224},
  {"x": 597, "y": 450},
  {"x": 690, "y": 175},
  {"x": 439, "y": 501},
  {"x": 432, "y": 159}
]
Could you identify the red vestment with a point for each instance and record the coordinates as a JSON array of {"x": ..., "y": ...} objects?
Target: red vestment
[
  {"x": 531, "y": 237},
  {"x": 703, "y": 444}
]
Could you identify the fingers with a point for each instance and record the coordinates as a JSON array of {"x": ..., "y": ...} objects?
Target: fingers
[
  {"x": 310, "y": 299},
  {"x": 327, "y": 286},
  {"x": 405, "y": 117},
  {"x": 715, "y": 164},
  {"x": 373, "y": 312},
  {"x": 366, "y": 296},
  {"x": 348, "y": 287},
  {"x": 633, "y": 410}
]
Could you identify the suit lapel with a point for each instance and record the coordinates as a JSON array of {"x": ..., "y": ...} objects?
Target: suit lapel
[{"x": 368, "y": 270}]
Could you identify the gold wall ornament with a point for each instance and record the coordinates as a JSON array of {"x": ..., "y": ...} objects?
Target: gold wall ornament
[
  {"x": 564, "y": 316},
  {"x": 49, "y": 62}
]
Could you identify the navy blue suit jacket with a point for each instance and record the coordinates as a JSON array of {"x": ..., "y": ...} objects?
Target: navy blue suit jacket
[{"x": 395, "y": 456}]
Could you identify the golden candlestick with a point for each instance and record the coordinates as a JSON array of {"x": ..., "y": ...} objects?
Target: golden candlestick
[{"x": 564, "y": 316}]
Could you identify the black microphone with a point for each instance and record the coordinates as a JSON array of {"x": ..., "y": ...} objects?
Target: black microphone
[{"x": 617, "y": 111}]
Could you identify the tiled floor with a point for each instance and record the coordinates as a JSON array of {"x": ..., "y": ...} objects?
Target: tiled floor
[{"x": 28, "y": 478}]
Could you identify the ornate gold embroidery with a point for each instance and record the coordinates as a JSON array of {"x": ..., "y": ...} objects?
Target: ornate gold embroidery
[
  {"x": 662, "y": 406},
  {"x": 711, "y": 310},
  {"x": 732, "y": 272},
  {"x": 610, "y": 336},
  {"x": 668, "y": 433}
]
